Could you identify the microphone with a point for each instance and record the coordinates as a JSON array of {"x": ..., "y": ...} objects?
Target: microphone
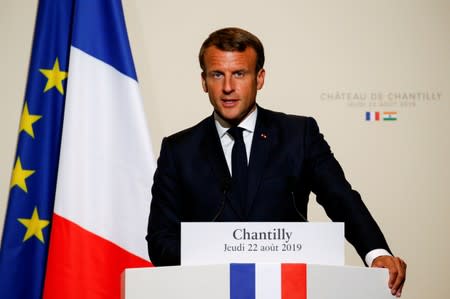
[
  {"x": 292, "y": 181},
  {"x": 225, "y": 187}
]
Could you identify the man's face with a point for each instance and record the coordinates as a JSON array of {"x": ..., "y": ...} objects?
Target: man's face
[{"x": 231, "y": 81}]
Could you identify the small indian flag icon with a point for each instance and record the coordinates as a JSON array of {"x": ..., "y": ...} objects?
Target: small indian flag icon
[{"x": 389, "y": 116}]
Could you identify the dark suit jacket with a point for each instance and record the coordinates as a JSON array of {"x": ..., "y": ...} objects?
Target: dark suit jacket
[{"x": 288, "y": 154}]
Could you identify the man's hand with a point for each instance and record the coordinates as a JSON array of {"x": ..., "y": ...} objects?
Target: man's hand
[{"x": 397, "y": 272}]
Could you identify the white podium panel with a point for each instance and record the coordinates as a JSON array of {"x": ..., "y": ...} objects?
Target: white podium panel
[
  {"x": 259, "y": 281},
  {"x": 204, "y": 243},
  {"x": 177, "y": 282},
  {"x": 329, "y": 282}
]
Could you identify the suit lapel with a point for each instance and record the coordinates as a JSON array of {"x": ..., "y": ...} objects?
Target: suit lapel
[
  {"x": 263, "y": 138},
  {"x": 214, "y": 152}
]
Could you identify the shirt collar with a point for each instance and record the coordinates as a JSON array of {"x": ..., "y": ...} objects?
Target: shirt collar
[{"x": 248, "y": 124}]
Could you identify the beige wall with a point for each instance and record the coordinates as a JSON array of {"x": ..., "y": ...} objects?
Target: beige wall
[{"x": 321, "y": 55}]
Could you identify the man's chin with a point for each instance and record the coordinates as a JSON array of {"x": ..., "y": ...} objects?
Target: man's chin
[{"x": 231, "y": 118}]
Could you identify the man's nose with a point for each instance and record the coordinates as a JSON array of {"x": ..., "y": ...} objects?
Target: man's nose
[{"x": 228, "y": 85}]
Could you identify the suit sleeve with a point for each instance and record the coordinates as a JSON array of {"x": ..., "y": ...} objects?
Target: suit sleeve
[
  {"x": 163, "y": 232},
  {"x": 335, "y": 194}
]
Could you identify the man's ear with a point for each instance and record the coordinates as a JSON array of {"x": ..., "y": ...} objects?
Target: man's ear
[
  {"x": 205, "y": 88},
  {"x": 260, "y": 78}
]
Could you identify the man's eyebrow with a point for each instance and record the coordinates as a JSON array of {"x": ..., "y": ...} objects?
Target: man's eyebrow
[{"x": 214, "y": 72}]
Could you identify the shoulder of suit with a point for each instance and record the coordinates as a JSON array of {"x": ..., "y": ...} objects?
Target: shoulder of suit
[
  {"x": 192, "y": 132},
  {"x": 284, "y": 118}
]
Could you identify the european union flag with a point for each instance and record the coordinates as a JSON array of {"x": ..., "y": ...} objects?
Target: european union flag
[{"x": 28, "y": 221}]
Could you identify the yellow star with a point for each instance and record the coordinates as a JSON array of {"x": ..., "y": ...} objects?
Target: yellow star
[
  {"x": 54, "y": 77},
  {"x": 34, "y": 226},
  {"x": 27, "y": 120},
  {"x": 19, "y": 176}
]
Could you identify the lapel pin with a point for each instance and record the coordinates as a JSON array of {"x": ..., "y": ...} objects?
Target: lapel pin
[{"x": 263, "y": 136}]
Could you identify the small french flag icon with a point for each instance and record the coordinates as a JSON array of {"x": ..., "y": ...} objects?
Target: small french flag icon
[{"x": 372, "y": 116}]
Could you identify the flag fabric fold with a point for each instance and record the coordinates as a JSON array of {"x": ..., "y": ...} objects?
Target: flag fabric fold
[{"x": 80, "y": 187}]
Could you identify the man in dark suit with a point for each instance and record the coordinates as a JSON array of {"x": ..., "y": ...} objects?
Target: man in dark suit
[{"x": 199, "y": 177}]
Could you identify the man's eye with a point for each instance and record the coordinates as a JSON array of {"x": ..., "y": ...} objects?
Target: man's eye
[
  {"x": 216, "y": 75},
  {"x": 239, "y": 74}
]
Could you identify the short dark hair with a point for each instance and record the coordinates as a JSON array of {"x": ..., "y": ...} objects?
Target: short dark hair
[{"x": 233, "y": 39}]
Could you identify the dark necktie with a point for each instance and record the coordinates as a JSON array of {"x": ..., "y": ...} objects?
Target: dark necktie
[{"x": 239, "y": 166}]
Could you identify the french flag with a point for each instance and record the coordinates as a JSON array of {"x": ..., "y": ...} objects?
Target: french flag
[
  {"x": 106, "y": 162},
  {"x": 268, "y": 281},
  {"x": 372, "y": 116}
]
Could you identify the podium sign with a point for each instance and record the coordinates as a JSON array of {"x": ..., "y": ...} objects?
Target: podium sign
[{"x": 204, "y": 243}]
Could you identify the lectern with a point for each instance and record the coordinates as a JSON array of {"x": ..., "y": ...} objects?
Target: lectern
[
  {"x": 264, "y": 260},
  {"x": 258, "y": 281}
]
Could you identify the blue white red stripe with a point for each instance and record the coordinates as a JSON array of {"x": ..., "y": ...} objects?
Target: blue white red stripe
[
  {"x": 264, "y": 281},
  {"x": 372, "y": 116}
]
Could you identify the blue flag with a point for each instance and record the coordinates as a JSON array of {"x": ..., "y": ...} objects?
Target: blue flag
[{"x": 27, "y": 225}]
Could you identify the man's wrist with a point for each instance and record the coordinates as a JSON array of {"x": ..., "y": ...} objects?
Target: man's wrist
[{"x": 373, "y": 254}]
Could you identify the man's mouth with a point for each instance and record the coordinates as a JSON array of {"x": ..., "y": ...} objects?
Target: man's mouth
[{"x": 229, "y": 102}]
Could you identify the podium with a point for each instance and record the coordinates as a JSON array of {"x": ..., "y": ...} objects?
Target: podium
[
  {"x": 264, "y": 265},
  {"x": 259, "y": 281}
]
